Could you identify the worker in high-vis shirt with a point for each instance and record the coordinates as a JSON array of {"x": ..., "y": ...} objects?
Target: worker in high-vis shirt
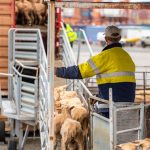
[
  {"x": 72, "y": 35},
  {"x": 113, "y": 67}
]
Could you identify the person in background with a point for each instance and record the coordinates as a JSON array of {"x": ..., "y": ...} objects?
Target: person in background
[
  {"x": 72, "y": 35},
  {"x": 113, "y": 67}
]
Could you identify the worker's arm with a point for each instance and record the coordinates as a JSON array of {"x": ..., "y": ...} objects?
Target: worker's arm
[
  {"x": 84, "y": 70},
  {"x": 72, "y": 72},
  {"x": 75, "y": 72}
]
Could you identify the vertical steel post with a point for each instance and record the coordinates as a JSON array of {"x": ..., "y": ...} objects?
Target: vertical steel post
[
  {"x": 111, "y": 122},
  {"x": 50, "y": 55},
  {"x": 142, "y": 120},
  {"x": 144, "y": 84}
]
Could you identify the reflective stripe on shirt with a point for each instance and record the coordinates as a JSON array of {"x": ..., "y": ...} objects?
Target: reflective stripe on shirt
[
  {"x": 106, "y": 75},
  {"x": 95, "y": 69},
  {"x": 115, "y": 74}
]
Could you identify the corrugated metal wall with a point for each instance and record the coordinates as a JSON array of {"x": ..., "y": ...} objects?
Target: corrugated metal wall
[{"x": 6, "y": 21}]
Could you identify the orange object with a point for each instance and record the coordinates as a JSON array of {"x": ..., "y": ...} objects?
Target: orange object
[{"x": 7, "y": 20}]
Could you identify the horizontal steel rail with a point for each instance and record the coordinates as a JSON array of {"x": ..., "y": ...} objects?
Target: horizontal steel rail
[
  {"x": 85, "y": 88},
  {"x": 6, "y": 74},
  {"x": 128, "y": 130},
  {"x": 129, "y": 108},
  {"x": 108, "y": 5},
  {"x": 100, "y": 116},
  {"x": 99, "y": 99},
  {"x": 21, "y": 75},
  {"x": 25, "y": 67}
]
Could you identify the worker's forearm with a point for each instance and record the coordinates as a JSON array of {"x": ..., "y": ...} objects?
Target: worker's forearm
[{"x": 72, "y": 72}]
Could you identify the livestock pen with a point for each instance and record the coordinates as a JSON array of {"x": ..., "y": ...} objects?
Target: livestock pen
[
  {"x": 46, "y": 81},
  {"x": 127, "y": 120}
]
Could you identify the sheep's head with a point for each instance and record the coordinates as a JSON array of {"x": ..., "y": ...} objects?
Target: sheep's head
[
  {"x": 144, "y": 144},
  {"x": 128, "y": 146},
  {"x": 60, "y": 88},
  {"x": 72, "y": 145},
  {"x": 66, "y": 111}
]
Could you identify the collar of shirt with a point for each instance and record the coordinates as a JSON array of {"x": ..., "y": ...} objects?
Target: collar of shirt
[{"x": 112, "y": 45}]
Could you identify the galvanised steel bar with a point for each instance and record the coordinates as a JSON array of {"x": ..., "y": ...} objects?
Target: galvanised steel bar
[
  {"x": 6, "y": 74},
  {"x": 50, "y": 55},
  {"x": 87, "y": 42},
  {"x": 111, "y": 121},
  {"x": 129, "y": 108},
  {"x": 141, "y": 131},
  {"x": 128, "y": 130},
  {"x": 99, "y": 99},
  {"x": 102, "y": 5}
]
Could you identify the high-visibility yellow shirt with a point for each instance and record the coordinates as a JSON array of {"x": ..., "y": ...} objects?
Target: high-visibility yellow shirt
[
  {"x": 72, "y": 36},
  {"x": 113, "y": 65}
]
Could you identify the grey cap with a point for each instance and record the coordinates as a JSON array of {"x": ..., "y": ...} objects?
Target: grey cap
[{"x": 112, "y": 32}]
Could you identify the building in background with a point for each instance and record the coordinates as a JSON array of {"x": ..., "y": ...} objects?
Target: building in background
[{"x": 76, "y": 16}]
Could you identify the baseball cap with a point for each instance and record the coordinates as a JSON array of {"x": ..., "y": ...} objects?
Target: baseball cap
[{"x": 112, "y": 32}]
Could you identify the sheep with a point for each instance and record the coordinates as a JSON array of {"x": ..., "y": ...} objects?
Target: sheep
[
  {"x": 58, "y": 121},
  {"x": 60, "y": 88},
  {"x": 34, "y": 1},
  {"x": 141, "y": 92},
  {"x": 70, "y": 102},
  {"x": 68, "y": 94},
  {"x": 31, "y": 11},
  {"x": 40, "y": 12},
  {"x": 128, "y": 146},
  {"x": 71, "y": 131},
  {"x": 28, "y": 12},
  {"x": 25, "y": 10},
  {"x": 73, "y": 145},
  {"x": 70, "y": 124},
  {"x": 144, "y": 144},
  {"x": 141, "y": 144},
  {"x": 56, "y": 95},
  {"x": 79, "y": 113},
  {"x": 19, "y": 11},
  {"x": 57, "y": 92}
]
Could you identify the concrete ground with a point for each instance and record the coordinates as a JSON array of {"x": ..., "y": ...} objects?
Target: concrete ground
[{"x": 30, "y": 144}]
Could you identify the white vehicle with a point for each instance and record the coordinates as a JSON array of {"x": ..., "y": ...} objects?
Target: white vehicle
[{"x": 145, "y": 41}]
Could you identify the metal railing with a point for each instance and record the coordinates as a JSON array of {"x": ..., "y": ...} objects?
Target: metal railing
[
  {"x": 82, "y": 36},
  {"x": 68, "y": 55},
  {"x": 111, "y": 125},
  {"x": 27, "y": 74}
]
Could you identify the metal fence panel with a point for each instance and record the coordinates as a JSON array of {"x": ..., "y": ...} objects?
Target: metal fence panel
[{"x": 101, "y": 137}]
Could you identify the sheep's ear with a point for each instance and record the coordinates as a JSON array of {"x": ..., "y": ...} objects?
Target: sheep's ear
[
  {"x": 71, "y": 108},
  {"x": 136, "y": 142},
  {"x": 118, "y": 147},
  {"x": 147, "y": 139}
]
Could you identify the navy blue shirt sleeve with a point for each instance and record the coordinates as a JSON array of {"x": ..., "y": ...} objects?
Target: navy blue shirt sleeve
[{"x": 72, "y": 72}]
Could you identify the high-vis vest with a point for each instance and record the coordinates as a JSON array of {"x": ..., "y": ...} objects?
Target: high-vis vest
[
  {"x": 72, "y": 36},
  {"x": 113, "y": 65}
]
